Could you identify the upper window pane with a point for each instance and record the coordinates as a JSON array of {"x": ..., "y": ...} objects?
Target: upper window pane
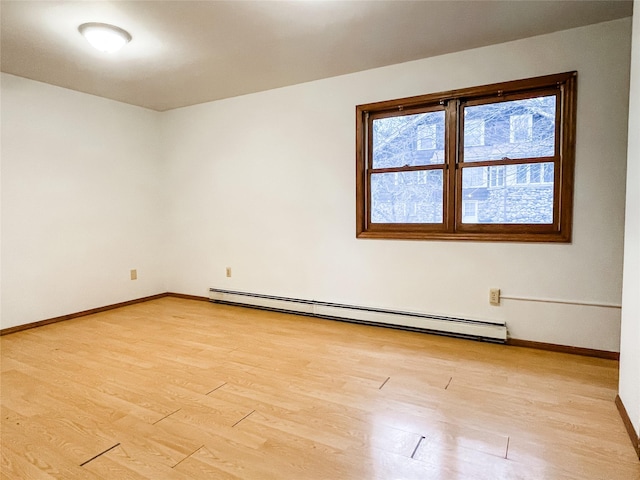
[
  {"x": 514, "y": 129},
  {"x": 408, "y": 140}
]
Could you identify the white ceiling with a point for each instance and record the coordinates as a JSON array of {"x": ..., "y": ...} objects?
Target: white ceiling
[{"x": 189, "y": 52}]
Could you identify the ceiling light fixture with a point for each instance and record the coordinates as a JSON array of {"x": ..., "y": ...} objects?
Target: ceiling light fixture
[{"x": 104, "y": 37}]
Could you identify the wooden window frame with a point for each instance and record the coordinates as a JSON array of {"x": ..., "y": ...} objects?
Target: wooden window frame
[{"x": 563, "y": 85}]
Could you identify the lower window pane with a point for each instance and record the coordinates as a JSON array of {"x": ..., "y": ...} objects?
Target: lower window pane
[
  {"x": 508, "y": 194},
  {"x": 407, "y": 197}
]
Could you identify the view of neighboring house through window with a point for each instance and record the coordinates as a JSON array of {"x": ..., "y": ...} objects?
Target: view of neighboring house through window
[
  {"x": 405, "y": 173},
  {"x": 520, "y": 129},
  {"x": 493, "y": 162},
  {"x": 427, "y": 136}
]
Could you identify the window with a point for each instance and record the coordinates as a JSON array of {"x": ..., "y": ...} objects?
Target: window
[
  {"x": 470, "y": 211},
  {"x": 484, "y": 163},
  {"x": 426, "y": 137},
  {"x": 522, "y": 174},
  {"x": 536, "y": 173},
  {"x": 496, "y": 176},
  {"x": 521, "y": 128}
]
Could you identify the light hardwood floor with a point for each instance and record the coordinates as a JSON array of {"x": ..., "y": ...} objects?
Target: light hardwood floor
[{"x": 184, "y": 389}]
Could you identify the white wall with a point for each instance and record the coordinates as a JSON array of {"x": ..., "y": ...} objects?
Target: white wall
[
  {"x": 81, "y": 202},
  {"x": 630, "y": 344},
  {"x": 265, "y": 184}
]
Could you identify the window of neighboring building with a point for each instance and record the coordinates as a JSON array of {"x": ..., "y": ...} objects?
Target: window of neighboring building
[
  {"x": 522, "y": 174},
  {"x": 521, "y": 128},
  {"x": 486, "y": 163},
  {"x": 496, "y": 176},
  {"x": 469, "y": 211},
  {"x": 534, "y": 173},
  {"x": 426, "y": 137}
]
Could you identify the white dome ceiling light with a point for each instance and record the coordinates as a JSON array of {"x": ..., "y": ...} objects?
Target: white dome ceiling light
[{"x": 104, "y": 37}]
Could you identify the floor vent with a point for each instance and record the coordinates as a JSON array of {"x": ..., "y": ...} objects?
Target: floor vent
[{"x": 459, "y": 327}]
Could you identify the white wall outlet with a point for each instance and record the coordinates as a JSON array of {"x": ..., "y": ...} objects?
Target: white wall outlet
[
  {"x": 228, "y": 271},
  {"x": 134, "y": 274},
  {"x": 494, "y": 296}
]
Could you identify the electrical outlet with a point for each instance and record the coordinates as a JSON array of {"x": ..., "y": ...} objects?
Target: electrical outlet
[
  {"x": 494, "y": 296},
  {"x": 134, "y": 274},
  {"x": 228, "y": 271}
]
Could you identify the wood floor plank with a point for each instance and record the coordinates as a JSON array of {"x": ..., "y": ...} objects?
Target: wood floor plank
[
  {"x": 36, "y": 456},
  {"x": 183, "y": 389},
  {"x": 204, "y": 465},
  {"x": 132, "y": 463},
  {"x": 14, "y": 466}
]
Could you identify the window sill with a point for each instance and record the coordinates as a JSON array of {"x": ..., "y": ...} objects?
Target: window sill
[{"x": 468, "y": 236}]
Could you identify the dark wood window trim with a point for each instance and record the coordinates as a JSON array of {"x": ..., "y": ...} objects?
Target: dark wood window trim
[{"x": 563, "y": 86}]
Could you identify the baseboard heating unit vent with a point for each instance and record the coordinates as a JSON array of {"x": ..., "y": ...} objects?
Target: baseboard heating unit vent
[{"x": 459, "y": 327}]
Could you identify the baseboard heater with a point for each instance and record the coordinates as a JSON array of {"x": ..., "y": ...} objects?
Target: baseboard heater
[{"x": 459, "y": 327}]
